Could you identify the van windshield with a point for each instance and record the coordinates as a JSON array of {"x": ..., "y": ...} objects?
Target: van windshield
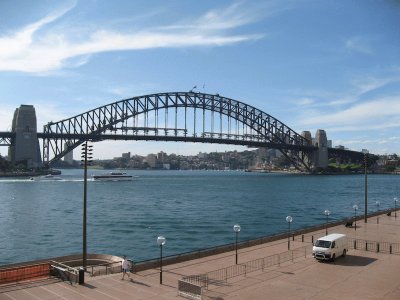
[{"x": 323, "y": 244}]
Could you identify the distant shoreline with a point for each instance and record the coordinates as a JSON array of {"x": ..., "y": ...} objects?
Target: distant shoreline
[{"x": 30, "y": 173}]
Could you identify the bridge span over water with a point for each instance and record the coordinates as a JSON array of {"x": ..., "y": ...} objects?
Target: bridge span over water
[{"x": 176, "y": 116}]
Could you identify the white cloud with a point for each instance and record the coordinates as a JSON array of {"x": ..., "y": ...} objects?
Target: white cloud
[
  {"x": 378, "y": 114},
  {"x": 368, "y": 84},
  {"x": 305, "y": 101},
  {"x": 37, "y": 49},
  {"x": 358, "y": 44}
]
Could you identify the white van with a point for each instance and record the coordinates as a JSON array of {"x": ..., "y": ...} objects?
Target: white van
[{"x": 330, "y": 247}]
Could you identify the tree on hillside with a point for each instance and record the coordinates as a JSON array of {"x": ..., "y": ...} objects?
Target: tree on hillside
[{"x": 5, "y": 165}]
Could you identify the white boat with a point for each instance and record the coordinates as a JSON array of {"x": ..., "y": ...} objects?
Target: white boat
[
  {"x": 47, "y": 177},
  {"x": 113, "y": 176},
  {"x": 258, "y": 170}
]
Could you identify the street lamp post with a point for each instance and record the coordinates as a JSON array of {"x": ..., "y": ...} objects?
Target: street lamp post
[
  {"x": 161, "y": 242},
  {"x": 289, "y": 220},
  {"x": 365, "y": 186},
  {"x": 355, "y": 207},
  {"x": 327, "y": 213},
  {"x": 395, "y": 207},
  {"x": 85, "y": 159},
  {"x": 377, "y": 206},
  {"x": 236, "y": 229}
]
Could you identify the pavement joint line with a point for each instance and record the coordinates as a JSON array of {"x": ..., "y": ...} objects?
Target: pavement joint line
[
  {"x": 106, "y": 294},
  {"x": 69, "y": 288},
  {"x": 31, "y": 294},
  {"x": 113, "y": 288},
  {"x": 50, "y": 291},
  {"x": 9, "y": 296}
]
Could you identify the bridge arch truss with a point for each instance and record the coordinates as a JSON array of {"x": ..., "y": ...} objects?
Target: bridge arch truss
[{"x": 177, "y": 116}]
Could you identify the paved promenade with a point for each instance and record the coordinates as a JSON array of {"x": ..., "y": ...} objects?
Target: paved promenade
[{"x": 360, "y": 275}]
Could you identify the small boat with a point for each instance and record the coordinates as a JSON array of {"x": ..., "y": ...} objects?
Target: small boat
[
  {"x": 258, "y": 170},
  {"x": 113, "y": 176},
  {"x": 47, "y": 177}
]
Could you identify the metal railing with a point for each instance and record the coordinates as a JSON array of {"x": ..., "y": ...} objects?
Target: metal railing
[
  {"x": 194, "y": 284},
  {"x": 189, "y": 290},
  {"x": 64, "y": 272},
  {"x": 105, "y": 269},
  {"x": 374, "y": 246}
]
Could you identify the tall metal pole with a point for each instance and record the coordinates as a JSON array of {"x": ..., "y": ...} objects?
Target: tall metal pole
[
  {"x": 377, "y": 217},
  {"x": 236, "y": 247},
  {"x": 355, "y": 219},
  {"x": 327, "y": 213},
  {"x": 366, "y": 187},
  {"x": 355, "y": 207},
  {"x": 236, "y": 229},
  {"x": 161, "y": 242},
  {"x": 84, "y": 255},
  {"x": 289, "y": 220},
  {"x": 86, "y": 158},
  {"x": 160, "y": 264},
  {"x": 326, "y": 225}
]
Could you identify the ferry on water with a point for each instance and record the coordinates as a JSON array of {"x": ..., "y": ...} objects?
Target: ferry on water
[{"x": 113, "y": 176}]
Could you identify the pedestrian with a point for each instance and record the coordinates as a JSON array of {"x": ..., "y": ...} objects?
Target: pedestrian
[{"x": 125, "y": 268}]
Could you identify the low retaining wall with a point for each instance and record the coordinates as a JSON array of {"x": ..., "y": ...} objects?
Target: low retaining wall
[
  {"x": 73, "y": 260},
  {"x": 27, "y": 272}
]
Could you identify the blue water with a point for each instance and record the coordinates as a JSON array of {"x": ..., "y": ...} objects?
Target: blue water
[{"x": 192, "y": 209}]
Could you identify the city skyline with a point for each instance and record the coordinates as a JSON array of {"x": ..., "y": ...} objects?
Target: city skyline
[{"x": 310, "y": 64}]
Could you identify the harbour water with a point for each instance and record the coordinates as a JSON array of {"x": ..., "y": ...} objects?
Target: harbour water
[{"x": 192, "y": 209}]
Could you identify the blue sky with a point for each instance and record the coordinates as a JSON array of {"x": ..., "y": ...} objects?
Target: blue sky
[{"x": 332, "y": 65}]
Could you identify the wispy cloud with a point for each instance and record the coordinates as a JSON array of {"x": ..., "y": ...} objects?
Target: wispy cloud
[
  {"x": 37, "y": 48},
  {"x": 358, "y": 44},
  {"x": 358, "y": 89},
  {"x": 305, "y": 101},
  {"x": 380, "y": 145},
  {"x": 383, "y": 113}
]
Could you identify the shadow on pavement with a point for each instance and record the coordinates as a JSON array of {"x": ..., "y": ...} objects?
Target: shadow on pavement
[
  {"x": 138, "y": 282},
  {"x": 354, "y": 261}
]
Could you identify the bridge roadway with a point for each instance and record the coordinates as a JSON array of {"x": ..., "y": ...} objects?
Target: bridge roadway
[
  {"x": 239, "y": 140},
  {"x": 360, "y": 275},
  {"x": 5, "y": 140}
]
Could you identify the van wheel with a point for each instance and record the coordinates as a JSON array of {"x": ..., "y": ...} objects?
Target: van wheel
[
  {"x": 344, "y": 253},
  {"x": 333, "y": 257}
]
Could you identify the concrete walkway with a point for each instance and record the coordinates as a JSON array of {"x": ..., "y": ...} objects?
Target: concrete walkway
[{"x": 360, "y": 275}]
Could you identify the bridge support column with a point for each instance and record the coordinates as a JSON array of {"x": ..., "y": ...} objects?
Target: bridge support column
[
  {"x": 321, "y": 155},
  {"x": 25, "y": 147}
]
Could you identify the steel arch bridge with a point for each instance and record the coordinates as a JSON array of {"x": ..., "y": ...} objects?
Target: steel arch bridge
[{"x": 177, "y": 116}]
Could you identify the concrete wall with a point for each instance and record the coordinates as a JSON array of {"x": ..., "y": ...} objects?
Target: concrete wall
[
  {"x": 26, "y": 144},
  {"x": 321, "y": 155}
]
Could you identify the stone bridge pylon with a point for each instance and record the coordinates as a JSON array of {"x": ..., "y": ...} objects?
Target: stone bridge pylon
[{"x": 25, "y": 144}]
